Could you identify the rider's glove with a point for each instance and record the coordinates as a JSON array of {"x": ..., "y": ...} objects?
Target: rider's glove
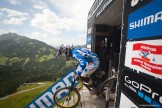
[{"x": 76, "y": 77}]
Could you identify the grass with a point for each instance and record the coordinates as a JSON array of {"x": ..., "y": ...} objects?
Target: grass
[
  {"x": 26, "y": 61},
  {"x": 70, "y": 63},
  {"x": 3, "y": 60},
  {"x": 27, "y": 87},
  {"x": 22, "y": 99},
  {"x": 15, "y": 59},
  {"x": 45, "y": 57}
]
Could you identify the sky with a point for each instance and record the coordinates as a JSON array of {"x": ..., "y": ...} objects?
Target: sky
[{"x": 54, "y": 22}]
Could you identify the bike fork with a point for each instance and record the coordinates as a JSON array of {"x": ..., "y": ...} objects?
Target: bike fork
[{"x": 71, "y": 87}]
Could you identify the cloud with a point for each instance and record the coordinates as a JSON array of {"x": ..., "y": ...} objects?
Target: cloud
[
  {"x": 52, "y": 21},
  {"x": 39, "y": 4},
  {"x": 1, "y": 13},
  {"x": 38, "y": 7},
  {"x": 56, "y": 40},
  {"x": 68, "y": 16},
  {"x": 14, "y": 21},
  {"x": 12, "y": 13},
  {"x": 78, "y": 40},
  {"x": 4, "y": 31},
  {"x": 13, "y": 17},
  {"x": 15, "y": 2},
  {"x": 72, "y": 8},
  {"x": 48, "y": 21},
  {"x": 49, "y": 39}
]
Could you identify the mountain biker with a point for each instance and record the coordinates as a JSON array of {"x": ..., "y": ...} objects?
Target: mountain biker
[{"x": 88, "y": 63}]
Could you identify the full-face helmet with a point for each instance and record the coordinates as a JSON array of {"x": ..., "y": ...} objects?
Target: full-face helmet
[{"x": 66, "y": 50}]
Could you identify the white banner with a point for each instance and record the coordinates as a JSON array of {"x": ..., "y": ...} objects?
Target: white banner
[
  {"x": 145, "y": 56},
  {"x": 125, "y": 102}
]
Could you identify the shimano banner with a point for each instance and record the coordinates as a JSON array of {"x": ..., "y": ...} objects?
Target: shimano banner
[
  {"x": 45, "y": 100},
  {"x": 146, "y": 21}
]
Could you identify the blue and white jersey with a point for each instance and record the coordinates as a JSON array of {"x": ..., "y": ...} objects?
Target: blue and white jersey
[{"x": 83, "y": 56}]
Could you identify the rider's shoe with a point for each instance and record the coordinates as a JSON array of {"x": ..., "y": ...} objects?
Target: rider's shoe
[{"x": 93, "y": 91}]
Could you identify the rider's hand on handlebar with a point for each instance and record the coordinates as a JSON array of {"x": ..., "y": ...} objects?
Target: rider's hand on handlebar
[{"x": 76, "y": 76}]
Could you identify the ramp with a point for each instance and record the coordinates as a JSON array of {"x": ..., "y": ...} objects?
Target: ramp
[{"x": 92, "y": 101}]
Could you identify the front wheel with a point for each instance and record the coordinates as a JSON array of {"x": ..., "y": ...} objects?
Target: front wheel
[
  {"x": 66, "y": 97},
  {"x": 111, "y": 84}
]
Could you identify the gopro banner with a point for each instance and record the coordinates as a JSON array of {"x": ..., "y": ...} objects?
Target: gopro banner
[
  {"x": 45, "y": 100},
  {"x": 145, "y": 92},
  {"x": 145, "y": 56},
  {"x": 146, "y": 21}
]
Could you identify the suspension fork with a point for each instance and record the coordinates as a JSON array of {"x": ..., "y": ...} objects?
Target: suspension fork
[{"x": 72, "y": 86}]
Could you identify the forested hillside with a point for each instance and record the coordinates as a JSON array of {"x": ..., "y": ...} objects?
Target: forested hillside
[{"x": 24, "y": 60}]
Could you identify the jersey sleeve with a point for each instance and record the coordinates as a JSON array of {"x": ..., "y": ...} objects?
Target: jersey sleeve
[
  {"x": 82, "y": 63},
  {"x": 88, "y": 53}
]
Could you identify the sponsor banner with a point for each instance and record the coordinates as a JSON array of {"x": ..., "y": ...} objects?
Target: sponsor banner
[
  {"x": 89, "y": 47},
  {"x": 123, "y": 100},
  {"x": 90, "y": 30},
  {"x": 146, "y": 21},
  {"x": 89, "y": 40},
  {"x": 45, "y": 100},
  {"x": 145, "y": 92},
  {"x": 145, "y": 56}
]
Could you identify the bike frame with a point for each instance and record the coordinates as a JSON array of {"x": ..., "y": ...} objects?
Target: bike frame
[{"x": 86, "y": 85}]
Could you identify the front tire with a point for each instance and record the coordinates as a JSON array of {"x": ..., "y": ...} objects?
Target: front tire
[{"x": 70, "y": 98}]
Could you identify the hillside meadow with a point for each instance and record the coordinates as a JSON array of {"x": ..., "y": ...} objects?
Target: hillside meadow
[{"x": 22, "y": 99}]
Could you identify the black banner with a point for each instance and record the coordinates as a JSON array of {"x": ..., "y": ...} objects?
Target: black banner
[
  {"x": 133, "y": 5},
  {"x": 144, "y": 91}
]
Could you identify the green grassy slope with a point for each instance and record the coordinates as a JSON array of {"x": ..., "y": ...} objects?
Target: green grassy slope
[{"x": 22, "y": 99}]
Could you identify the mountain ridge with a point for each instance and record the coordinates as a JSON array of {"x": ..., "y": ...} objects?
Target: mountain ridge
[{"x": 18, "y": 48}]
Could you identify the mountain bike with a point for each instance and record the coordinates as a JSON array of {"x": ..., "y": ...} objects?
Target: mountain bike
[{"x": 71, "y": 95}]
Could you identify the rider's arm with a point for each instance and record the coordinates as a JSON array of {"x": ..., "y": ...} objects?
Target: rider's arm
[{"x": 81, "y": 63}]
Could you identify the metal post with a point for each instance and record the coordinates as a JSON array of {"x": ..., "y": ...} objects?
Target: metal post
[{"x": 107, "y": 98}]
